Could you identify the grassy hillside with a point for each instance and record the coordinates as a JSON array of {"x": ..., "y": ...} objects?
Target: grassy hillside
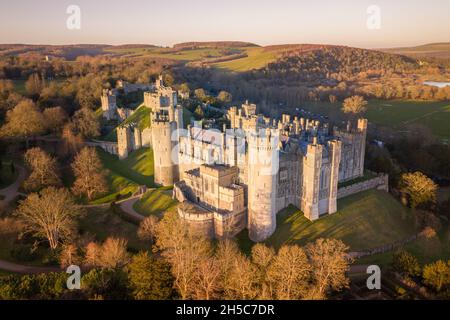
[
  {"x": 364, "y": 220},
  {"x": 137, "y": 167},
  {"x": 141, "y": 117},
  {"x": 256, "y": 58},
  {"x": 425, "y": 249},
  {"x": 155, "y": 201},
  {"x": 431, "y": 50},
  {"x": 124, "y": 176}
]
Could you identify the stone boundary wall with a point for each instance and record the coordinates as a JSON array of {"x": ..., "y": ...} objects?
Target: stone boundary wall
[
  {"x": 108, "y": 146},
  {"x": 381, "y": 182},
  {"x": 383, "y": 249}
]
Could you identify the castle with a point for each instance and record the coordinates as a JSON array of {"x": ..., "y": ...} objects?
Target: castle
[{"x": 242, "y": 176}]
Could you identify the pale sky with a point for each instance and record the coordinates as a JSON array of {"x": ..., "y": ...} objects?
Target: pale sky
[{"x": 166, "y": 22}]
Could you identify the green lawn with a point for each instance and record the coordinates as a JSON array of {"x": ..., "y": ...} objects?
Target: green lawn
[
  {"x": 19, "y": 86},
  {"x": 137, "y": 167},
  {"x": 426, "y": 250},
  {"x": 365, "y": 220},
  {"x": 141, "y": 117},
  {"x": 169, "y": 53},
  {"x": 155, "y": 201},
  {"x": 124, "y": 176},
  {"x": 103, "y": 223},
  {"x": 257, "y": 58},
  {"x": 397, "y": 113},
  {"x": 435, "y": 115}
]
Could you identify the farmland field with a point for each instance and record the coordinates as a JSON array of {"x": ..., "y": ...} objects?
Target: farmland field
[{"x": 397, "y": 114}]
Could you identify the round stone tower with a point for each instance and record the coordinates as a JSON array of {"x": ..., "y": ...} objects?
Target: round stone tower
[
  {"x": 263, "y": 165},
  {"x": 164, "y": 150}
]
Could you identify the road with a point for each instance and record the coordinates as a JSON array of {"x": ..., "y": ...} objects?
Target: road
[{"x": 12, "y": 190}]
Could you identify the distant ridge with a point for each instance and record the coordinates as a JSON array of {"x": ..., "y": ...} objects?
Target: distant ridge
[
  {"x": 217, "y": 44},
  {"x": 430, "y": 50}
]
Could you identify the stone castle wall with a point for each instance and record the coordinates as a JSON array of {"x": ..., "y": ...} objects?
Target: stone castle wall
[{"x": 380, "y": 182}]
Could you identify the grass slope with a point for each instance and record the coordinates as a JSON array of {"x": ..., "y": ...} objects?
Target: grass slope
[
  {"x": 365, "y": 220},
  {"x": 137, "y": 167},
  {"x": 425, "y": 250},
  {"x": 155, "y": 201},
  {"x": 141, "y": 117},
  {"x": 124, "y": 176},
  {"x": 257, "y": 58}
]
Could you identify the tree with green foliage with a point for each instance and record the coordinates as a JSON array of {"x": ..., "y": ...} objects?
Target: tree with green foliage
[
  {"x": 405, "y": 263},
  {"x": 44, "y": 286},
  {"x": 108, "y": 284},
  {"x": 419, "y": 188},
  {"x": 437, "y": 275},
  {"x": 150, "y": 278}
]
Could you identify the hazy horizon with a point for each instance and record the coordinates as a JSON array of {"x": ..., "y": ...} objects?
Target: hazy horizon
[{"x": 403, "y": 23}]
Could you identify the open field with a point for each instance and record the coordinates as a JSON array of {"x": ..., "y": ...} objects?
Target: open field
[
  {"x": 257, "y": 58},
  {"x": 168, "y": 53},
  {"x": 365, "y": 220},
  {"x": 397, "y": 114},
  {"x": 155, "y": 201}
]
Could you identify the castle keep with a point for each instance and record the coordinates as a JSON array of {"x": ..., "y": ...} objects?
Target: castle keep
[
  {"x": 242, "y": 176},
  {"x": 276, "y": 163}
]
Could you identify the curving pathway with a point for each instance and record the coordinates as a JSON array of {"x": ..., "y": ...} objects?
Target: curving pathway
[
  {"x": 12, "y": 190},
  {"x": 18, "y": 268},
  {"x": 127, "y": 207}
]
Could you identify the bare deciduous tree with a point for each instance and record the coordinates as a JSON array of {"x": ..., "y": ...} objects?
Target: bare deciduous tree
[
  {"x": 329, "y": 262},
  {"x": 90, "y": 179},
  {"x": 44, "y": 170},
  {"x": 354, "y": 105},
  {"x": 50, "y": 215},
  {"x": 207, "y": 279},
  {"x": 182, "y": 249},
  {"x": 289, "y": 273},
  {"x": 147, "y": 228},
  {"x": 111, "y": 254}
]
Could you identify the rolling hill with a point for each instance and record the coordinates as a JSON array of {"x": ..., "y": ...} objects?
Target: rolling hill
[{"x": 431, "y": 50}]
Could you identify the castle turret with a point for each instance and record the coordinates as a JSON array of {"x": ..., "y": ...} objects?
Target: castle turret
[
  {"x": 123, "y": 141},
  {"x": 179, "y": 117},
  {"x": 334, "y": 151},
  {"x": 262, "y": 187},
  {"x": 362, "y": 127},
  {"x": 164, "y": 150},
  {"x": 312, "y": 164},
  {"x": 109, "y": 104}
]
